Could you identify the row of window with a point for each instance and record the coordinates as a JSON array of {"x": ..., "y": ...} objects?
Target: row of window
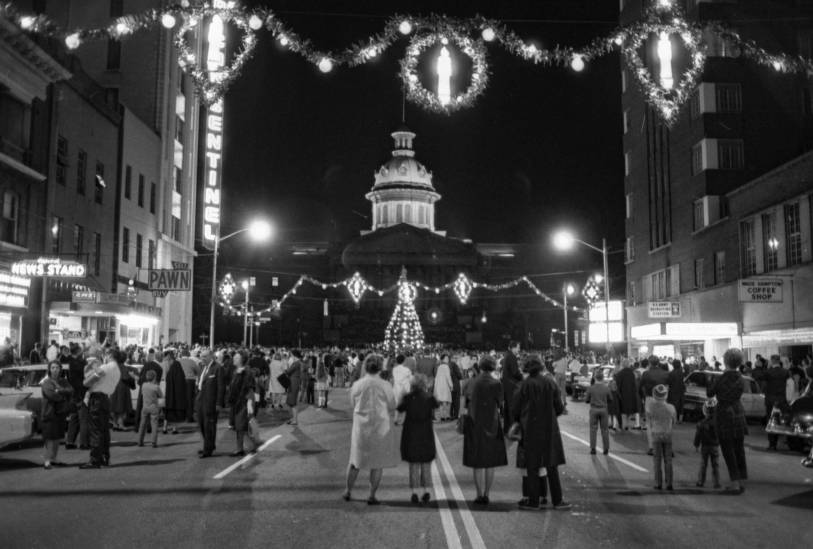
[
  {"x": 63, "y": 164},
  {"x": 768, "y": 243},
  {"x": 403, "y": 212},
  {"x": 710, "y": 154},
  {"x": 128, "y": 189},
  {"x": 57, "y": 231},
  {"x": 665, "y": 283},
  {"x": 139, "y": 249}
]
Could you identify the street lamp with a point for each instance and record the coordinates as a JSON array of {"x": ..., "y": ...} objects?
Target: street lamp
[
  {"x": 567, "y": 289},
  {"x": 259, "y": 230},
  {"x": 564, "y": 241}
]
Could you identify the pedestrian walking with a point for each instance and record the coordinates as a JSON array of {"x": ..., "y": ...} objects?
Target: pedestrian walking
[
  {"x": 457, "y": 377},
  {"x": 121, "y": 401},
  {"x": 372, "y": 441},
  {"x": 661, "y": 418},
  {"x": 560, "y": 373},
  {"x": 417, "y": 436},
  {"x": 294, "y": 373},
  {"x": 628, "y": 394},
  {"x": 321, "y": 383},
  {"x": 443, "y": 388},
  {"x": 175, "y": 404},
  {"x": 677, "y": 388},
  {"x": 599, "y": 397},
  {"x": 276, "y": 368},
  {"x": 537, "y": 405},
  {"x": 78, "y": 416},
  {"x": 191, "y": 372},
  {"x": 209, "y": 400},
  {"x": 483, "y": 444},
  {"x": 706, "y": 442},
  {"x": 101, "y": 381},
  {"x": 241, "y": 400},
  {"x": 56, "y": 401},
  {"x": 729, "y": 419},
  {"x": 651, "y": 378},
  {"x": 150, "y": 409},
  {"x": 775, "y": 393}
]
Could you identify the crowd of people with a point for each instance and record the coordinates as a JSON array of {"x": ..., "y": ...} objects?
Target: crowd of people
[{"x": 494, "y": 398}]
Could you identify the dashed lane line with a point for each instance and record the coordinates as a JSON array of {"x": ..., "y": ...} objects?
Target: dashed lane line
[
  {"x": 611, "y": 455},
  {"x": 246, "y": 459}
]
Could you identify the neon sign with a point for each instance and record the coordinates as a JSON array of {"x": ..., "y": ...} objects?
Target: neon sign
[{"x": 215, "y": 60}]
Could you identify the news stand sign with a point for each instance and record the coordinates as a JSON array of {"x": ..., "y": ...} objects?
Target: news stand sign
[
  {"x": 177, "y": 279},
  {"x": 760, "y": 290}
]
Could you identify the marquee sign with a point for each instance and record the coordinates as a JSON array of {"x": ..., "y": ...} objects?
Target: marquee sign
[
  {"x": 215, "y": 61},
  {"x": 49, "y": 266},
  {"x": 14, "y": 290}
]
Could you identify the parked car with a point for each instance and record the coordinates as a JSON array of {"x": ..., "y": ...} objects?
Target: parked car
[
  {"x": 583, "y": 380},
  {"x": 16, "y": 421},
  {"x": 795, "y": 423},
  {"x": 698, "y": 383}
]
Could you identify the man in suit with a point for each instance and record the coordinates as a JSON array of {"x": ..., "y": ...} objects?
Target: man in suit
[
  {"x": 210, "y": 399},
  {"x": 511, "y": 377}
]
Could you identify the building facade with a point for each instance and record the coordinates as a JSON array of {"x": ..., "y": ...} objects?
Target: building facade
[{"x": 693, "y": 191}]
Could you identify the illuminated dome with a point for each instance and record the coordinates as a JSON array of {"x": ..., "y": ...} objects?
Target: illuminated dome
[{"x": 403, "y": 191}]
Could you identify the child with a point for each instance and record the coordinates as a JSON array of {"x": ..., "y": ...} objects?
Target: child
[
  {"x": 418, "y": 438},
  {"x": 662, "y": 417},
  {"x": 705, "y": 441},
  {"x": 150, "y": 393}
]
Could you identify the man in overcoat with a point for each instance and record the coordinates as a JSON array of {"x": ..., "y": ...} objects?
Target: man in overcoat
[{"x": 210, "y": 399}]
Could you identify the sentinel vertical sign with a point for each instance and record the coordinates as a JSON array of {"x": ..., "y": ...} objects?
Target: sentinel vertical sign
[{"x": 215, "y": 61}]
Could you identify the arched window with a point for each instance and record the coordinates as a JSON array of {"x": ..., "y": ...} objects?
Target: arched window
[
  {"x": 10, "y": 222},
  {"x": 399, "y": 215},
  {"x": 408, "y": 213},
  {"x": 385, "y": 218}
]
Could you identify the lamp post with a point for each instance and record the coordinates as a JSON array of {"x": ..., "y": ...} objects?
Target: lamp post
[
  {"x": 258, "y": 230},
  {"x": 567, "y": 289},
  {"x": 247, "y": 288},
  {"x": 564, "y": 240}
]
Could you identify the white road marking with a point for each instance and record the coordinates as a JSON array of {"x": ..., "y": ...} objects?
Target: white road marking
[
  {"x": 246, "y": 459},
  {"x": 446, "y": 519},
  {"x": 465, "y": 514},
  {"x": 612, "y": 455}
]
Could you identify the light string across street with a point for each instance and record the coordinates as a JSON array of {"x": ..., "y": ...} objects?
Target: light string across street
[{"x": 663, "y": 27}]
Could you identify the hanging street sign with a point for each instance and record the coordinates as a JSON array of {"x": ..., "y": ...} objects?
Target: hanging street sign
[
  {"x": 664, "y": 309},
  {"x": 171, "y": 280}
]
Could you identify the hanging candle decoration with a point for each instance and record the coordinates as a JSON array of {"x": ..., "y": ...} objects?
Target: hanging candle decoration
[
  {"x": 227, "y": 288},
  {"x": 356, "y": 286},
  {"x": 462, "y": 288},
  {"x": 591, "y": 291}
]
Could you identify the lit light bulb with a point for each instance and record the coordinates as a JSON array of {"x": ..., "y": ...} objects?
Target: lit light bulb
[
  {"x": 488, "y": 34},
  {"x": 168, "y": 20},
  {"x": 618, "y": 40},
  {"x": 283, "y": 40},
  {"x": 531, "y": 49},
  {"x": 73, "y": 41},
  {"x": 577, "y": 62},
  {"x": 27, "y": 22},
  {"x": 405, "y": 27},
  {"x": 122, "y": 28},
  {"x": 777, "y": 65},
  {"x": 325, "y": 65},
  {"x": 254, "y": 22},
  {"x": 192, "y": 21}
]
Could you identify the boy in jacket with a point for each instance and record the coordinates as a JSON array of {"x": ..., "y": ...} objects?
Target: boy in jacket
[{"x": 705, "y": 442}]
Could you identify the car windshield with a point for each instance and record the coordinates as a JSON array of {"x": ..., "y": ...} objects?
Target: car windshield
[
  {"x": 699, "y": 379},
  {"x": 21, "y": 378}
]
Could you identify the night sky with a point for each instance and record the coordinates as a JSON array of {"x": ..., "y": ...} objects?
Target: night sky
[{"x": 540, "y": 148}]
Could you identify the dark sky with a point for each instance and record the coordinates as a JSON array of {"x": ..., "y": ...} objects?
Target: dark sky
[{"x": 540, "y": 148}]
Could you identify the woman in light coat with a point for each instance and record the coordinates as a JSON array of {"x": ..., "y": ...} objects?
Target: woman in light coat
[
  {"x": 443, "y": 388},
  {"x": 373, "y": 443},
  {"x": 277, "y": 368}
]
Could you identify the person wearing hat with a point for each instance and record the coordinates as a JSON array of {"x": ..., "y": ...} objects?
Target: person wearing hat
[
  {"x": 706, "y": 442},
  {"x": 661, "y": 417}
]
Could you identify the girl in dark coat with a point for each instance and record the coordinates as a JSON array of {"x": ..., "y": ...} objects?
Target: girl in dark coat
[
  {"x": 418, "y": 437},
  {"x": 729, "y": 420},
  {"x": 536, "y": 406},
  {"x": 175, "y": 409},
  {"x": 483, "y": 446},
  {"x": 627, "y": 392},
  {"x": 56, "y": 393},
  {"x": 241, "y": 400},
  {"x": 121, "y": 401}
]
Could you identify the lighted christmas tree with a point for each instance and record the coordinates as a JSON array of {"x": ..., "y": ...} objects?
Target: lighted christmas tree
[{"x": 404, "y": 329}]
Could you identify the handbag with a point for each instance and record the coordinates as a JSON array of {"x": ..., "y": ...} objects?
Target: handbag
[
  {"x": 254, "y": 431},
  {"x": 284, "y": 380},
  {"x": 162, "y": 403}
]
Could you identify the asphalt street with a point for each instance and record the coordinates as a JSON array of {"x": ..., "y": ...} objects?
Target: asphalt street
[{"x": 289, "y": 495}]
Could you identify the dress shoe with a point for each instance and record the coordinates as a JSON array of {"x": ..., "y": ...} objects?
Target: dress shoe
[
  {"x": 658, "y": 487},
  {"x": 425, "y": 497},
  {"x": 561, "y": 506},
  {"x": 525, "y": 503},
  {"x": 373, "y": 501},
  {"x": 650, "y": 452},
  {"x": 592, "y": 451},
  {"x": 90, "y": 466},
  {"x": 238, "y": 453},
  {"x": 414, "y": 499},
  {"x": 669, "y": 488},
  {"x": 105, "y": 461},
  {"x": 203, "y": 455},
  {"x": 606, "y": 451},
  {"x": 70, "y": 446},
  {"x": 84, "y": 447}
]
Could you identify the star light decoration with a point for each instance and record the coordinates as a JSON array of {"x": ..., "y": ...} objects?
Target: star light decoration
[
  {"x": 462, "y": 288},
  {"x": 663, "y": 17},
  {"x": 591, "y": 291},
  {"x": 356, "y": 286},
  {"x": 227, "y": 288}
]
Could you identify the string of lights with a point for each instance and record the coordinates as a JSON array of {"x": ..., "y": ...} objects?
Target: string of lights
[{"x": 663, "y": 27}]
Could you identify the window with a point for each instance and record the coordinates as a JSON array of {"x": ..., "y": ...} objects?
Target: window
[
  {"x": 128, "y": 182},
  {"x": 694, "y": 104},
  {"x": 153, "y": 193},
  {"x": 11, "y": 214},
  {"x": 61, "y": 160},
  {"x": 793, "y": 234},
  {"x": 626, "y": 163},
  {"x": 56, "y": 234},
  {"x": 629, "y": 249},
  {"x": 113, "y": 54},
  {"x": 176, "y": 228},
  {"x": 176, "y": 183},
  {"x": 697, "y": 159},
  {"x": 719, "y": 267},
  {"x": 78, "y": 239},
  {"x": 628, "y": 205},
  {"x": 749, "y": 249},
  {"x": 179, "y": 129},
  {"x": 81, "y": 171},
  {"x": 150, "y": 254},
  {"x": 699, "y": 281},
  {"x": 139, "y": 250},
  {"x": 125, "y": 245},
  {"x": 399, "y": 213},
  {"x": 632, "y": 293},
  {"x": 699, "y": 215},
  {"x": 662, "y": 284},
  {"x": 15, "y": 127},
  {"x": 141, "y": 190},
  {"x": 100, "y": 184},
  {"x": 728, "y": 98},
  {"x": 770, "y": 244},
  {"x": 623, "y": 80},
  {"x": 97, "y": 253},
  {"x": 626, "y": 121},
  {"x": 730, "y": 154}
]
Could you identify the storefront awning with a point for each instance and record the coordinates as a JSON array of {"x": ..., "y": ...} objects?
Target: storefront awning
[
  {"x": 798, "y": 336},
  {"x": 684, "y": 331}
]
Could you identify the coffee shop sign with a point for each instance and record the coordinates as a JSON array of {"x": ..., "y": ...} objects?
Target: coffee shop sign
[{"x": 46, "y": 266}]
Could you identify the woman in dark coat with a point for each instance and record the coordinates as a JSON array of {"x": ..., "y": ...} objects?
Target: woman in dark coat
[
  {"x": 121, "y": 401},
  {"x": 483, "y": 446},
  {"x": 729, "y": 419},
  {"x": 536, "y": 406},
  {"x": 627, "y": 391},
  {"x": 294, "y": 373},
  {"x": 418, "y": 437},
  {"x": 241, "y": 399},
  {"x": 677, "y": 388},
  {"x": 175, "y": 409},
  {"x": 56, "y": 393}
]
